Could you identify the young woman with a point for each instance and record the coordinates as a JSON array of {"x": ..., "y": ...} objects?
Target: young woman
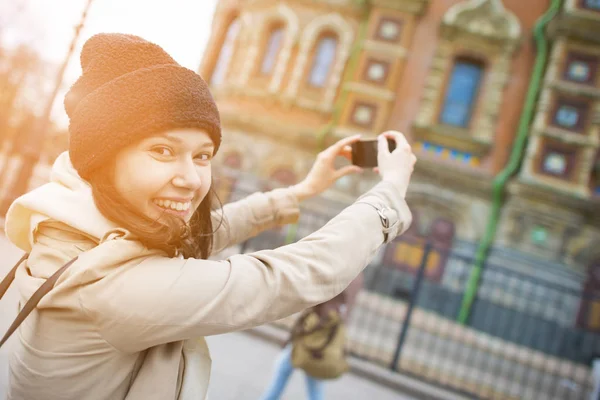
[{"x": 132, "y": 200}]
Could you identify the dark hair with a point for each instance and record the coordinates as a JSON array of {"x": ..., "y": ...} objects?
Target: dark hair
[{"x": 171, "y": 235}]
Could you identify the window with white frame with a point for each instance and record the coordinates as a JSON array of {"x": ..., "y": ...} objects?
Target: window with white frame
[
  {"x": 225, "y": 54},
  {"x": 323, "y": 60},
  {"x": 272, "y": 48}
]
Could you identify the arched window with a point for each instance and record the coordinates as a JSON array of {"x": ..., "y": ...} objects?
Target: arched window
[
  {"x": 461, "y": 94},
  {"x": 325, "y": 51},
  {"x": 222, "y": 65},
  {"x": 272, "y": 48}
]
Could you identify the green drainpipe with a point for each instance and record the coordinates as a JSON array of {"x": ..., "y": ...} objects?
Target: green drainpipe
[
  {"x": 324, "y": 131},
  {"x": 500, "y": 181}
]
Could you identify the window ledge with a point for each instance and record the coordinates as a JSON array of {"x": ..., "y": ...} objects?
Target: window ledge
[
  {"x": 569, "y": 137},
  {"x": 452, "y": 137},
  {"x": 579, "y": 23},
  {"x": 576, "y": 89}
]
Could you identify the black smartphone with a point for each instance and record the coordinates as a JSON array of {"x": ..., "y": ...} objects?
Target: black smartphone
[{"x": 364, "y": 152}]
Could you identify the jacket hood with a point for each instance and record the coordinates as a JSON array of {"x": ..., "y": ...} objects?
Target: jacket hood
[{"x": 67, "y": 198}]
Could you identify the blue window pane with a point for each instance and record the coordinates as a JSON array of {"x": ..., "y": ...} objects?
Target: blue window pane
[
  {"x": 272, "y": 50},
  {"x": 579, "y": 71},
  {"x": 461, "y": 94},
  {"x": 555, "y": 163},
  {"x": 225, "y": 55},
  {"x": 322, "y": 62},
  {"x": 567, "y": 116},
  {"x": 593, "y": 4}
]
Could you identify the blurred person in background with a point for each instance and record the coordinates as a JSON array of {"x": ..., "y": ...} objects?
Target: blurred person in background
[
  {"x": 342, "y": 305},
  {"x": 131, "y": 206}
]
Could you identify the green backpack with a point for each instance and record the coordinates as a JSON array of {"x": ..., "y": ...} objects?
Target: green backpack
[{"x": 318, "y": 345}]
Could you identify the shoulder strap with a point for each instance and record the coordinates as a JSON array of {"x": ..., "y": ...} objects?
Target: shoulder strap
[
  {"x": 330, "y": 336},
  {"x": 11, "y": 276},
  {"x": 35, "y": 298}
]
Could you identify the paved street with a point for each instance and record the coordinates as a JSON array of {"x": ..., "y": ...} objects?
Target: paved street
[
  {"x": 242, "y": 364},
  {"x": 242, "y": 367}
]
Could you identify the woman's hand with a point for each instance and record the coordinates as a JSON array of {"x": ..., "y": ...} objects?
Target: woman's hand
[
  {"x": 397, "y": 166},
  {"x": 323, "y": 173}
]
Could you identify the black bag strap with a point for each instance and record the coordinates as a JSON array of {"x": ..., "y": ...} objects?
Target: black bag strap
[{"x": 35, "y": 298}]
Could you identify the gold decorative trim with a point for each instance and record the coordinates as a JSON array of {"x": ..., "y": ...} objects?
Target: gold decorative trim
[
  {"x": 417, "y": 7},
  {"x": 453, "y": 138},
  {"x": 314, "y": 105},
  {"x": 484, "y": 18},
  {"x": 386, "y": 48},
  {"x": 370, "y": 90}
]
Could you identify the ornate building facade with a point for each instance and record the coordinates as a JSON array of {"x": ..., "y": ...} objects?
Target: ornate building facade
[{"x": 291, "y": 76}]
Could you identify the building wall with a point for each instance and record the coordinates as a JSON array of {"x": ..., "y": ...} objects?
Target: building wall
[
  {"x": 552, "y": 210},
  {"x": 392, "y": 70}
]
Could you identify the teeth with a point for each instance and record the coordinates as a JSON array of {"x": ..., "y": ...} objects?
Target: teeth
[{"x": 173, "y": 205}]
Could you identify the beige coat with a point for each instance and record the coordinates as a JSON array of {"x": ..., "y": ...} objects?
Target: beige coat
[{"x": 126, "y": 322}]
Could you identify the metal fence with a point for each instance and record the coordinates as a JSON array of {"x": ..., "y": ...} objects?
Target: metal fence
[{"x": 524, "y": 338}]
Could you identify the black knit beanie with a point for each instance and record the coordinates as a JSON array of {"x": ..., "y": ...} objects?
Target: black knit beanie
[{"x": 130, "y": 89}]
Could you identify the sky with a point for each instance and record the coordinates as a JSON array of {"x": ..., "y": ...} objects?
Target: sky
[{"x": 181, "y": 27}]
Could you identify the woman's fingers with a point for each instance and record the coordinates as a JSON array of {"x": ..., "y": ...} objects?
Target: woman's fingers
[
  {"x": 338, "y": 147},
  {"x": 397, "y": 166},
  {"x": 346, "y": 153},
  {"x": 347, "y": 170},
  {"x": 401, "y": 142}
]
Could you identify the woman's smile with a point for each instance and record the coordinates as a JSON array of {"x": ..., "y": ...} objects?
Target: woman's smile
[{"x": 177, "y": 207}]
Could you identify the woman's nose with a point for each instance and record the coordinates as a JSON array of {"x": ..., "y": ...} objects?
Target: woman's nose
[{"x": 188, "y": 176}]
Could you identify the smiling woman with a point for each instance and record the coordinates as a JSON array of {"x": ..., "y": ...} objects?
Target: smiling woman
[
  {"x": 123, "y": 232},
  {"x": 163, "y": 183}
]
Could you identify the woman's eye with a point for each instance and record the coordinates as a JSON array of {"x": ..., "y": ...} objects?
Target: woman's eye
[
  {"x": 203, "y": 157},
  {"x": 163, "y": 151}
]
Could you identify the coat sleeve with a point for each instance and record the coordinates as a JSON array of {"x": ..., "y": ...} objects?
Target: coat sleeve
[
  {"x": 245, "y": 218},
  {"x": 162, "y": 300}
]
